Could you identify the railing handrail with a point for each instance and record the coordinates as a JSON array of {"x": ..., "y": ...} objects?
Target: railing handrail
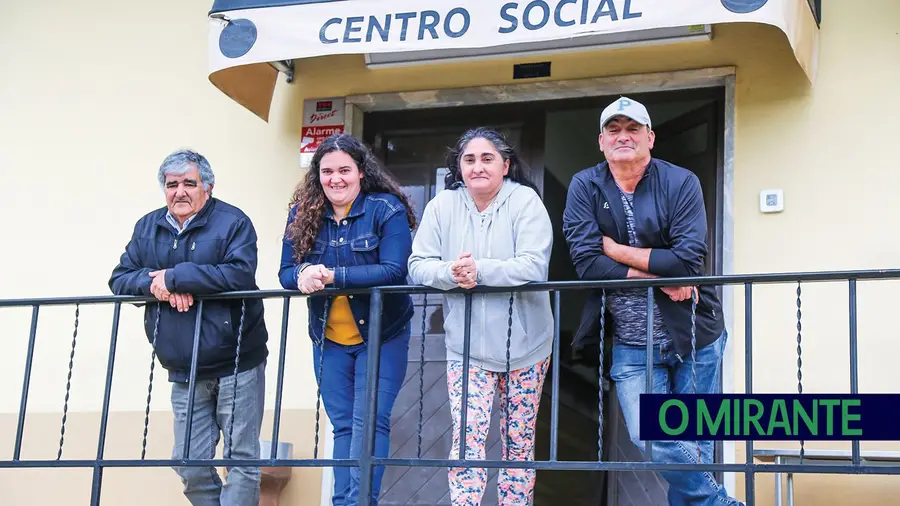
[
  {"x": 723, "y": 279},
  {"x": 367, "y": 461}
]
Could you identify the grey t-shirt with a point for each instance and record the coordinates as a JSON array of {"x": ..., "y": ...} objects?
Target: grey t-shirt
[{"x": 628, "y": 306}]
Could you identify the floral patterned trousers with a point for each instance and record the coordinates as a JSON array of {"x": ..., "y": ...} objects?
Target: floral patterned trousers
[{"x": 515, "y": 486}]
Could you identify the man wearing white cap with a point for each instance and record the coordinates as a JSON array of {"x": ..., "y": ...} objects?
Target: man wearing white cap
[{"x": 635, "y": 216}]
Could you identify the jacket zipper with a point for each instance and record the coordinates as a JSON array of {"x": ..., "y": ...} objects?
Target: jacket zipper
[
  {"x": 483, "y": 301},
  {"x": 185, "y": 358}
]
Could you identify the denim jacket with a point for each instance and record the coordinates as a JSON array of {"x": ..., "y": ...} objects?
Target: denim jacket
[{"x": 369, "y": 247}]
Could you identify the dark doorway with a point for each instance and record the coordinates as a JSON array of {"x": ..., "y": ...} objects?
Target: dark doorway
[{"x": 556, "y": 139}]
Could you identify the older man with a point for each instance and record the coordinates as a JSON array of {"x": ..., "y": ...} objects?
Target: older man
[
  {"x": 199, "y": 245},
  {"x": 635, "y": 216}
]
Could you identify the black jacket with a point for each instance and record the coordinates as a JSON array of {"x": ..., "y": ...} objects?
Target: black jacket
[
  {"x": 216, "y": 253},
  {"x": 670, "y": 218}
]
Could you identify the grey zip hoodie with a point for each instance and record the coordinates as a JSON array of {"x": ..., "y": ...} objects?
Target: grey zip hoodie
[{"x": 510, "y": 242}]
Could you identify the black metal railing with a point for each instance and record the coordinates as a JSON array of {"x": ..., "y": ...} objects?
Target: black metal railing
[{"x": 367, "y": 460}]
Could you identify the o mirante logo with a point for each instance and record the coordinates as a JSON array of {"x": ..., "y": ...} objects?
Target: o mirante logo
[{"x": 773, "y": 417}]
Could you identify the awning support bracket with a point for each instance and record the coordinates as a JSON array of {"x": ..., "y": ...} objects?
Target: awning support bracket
[{"x": 286, "y": 67}]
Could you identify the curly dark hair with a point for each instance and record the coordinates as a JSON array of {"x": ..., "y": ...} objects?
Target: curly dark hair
[
  {"x": 311, "y": 197},
  {"x": 518, "y": 170}
]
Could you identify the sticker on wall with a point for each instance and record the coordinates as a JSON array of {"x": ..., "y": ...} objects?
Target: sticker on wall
[{"x": 322, "y": 118}]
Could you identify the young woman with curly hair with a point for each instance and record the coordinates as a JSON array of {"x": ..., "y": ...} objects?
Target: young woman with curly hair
[{"x": 350, "y": 226}]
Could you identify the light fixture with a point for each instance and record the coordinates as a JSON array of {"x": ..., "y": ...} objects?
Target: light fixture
[{"x": 584, "y": 43}]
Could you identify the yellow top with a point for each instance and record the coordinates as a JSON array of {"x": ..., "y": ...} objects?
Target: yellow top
[{"x": 341, "y": 327}]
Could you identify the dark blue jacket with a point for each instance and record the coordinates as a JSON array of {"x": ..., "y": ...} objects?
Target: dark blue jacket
[
  {"x": 670, "y": 217},
  {"x": 370, "y": 247},
  {"x": 215, "y": 253}
]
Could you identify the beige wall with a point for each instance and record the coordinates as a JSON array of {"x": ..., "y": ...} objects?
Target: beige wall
[
  {"x": 93, "y": 96},
  {"x": 89, "y": 114},
  {"x": 801, "y": 140}
]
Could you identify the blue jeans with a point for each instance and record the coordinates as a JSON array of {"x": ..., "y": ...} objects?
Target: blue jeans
[
  {"x": 213, "y": 400},
  {"x": 343, "y": 384},
  {"x": 672, "y": 375}
]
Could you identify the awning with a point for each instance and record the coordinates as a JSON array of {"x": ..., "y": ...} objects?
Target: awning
[{"x": 246, "y": 37}]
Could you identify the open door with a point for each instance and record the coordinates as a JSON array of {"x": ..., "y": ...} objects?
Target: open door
[
  {"x": 555, "y": 138},
  {"x": 692, "y": 141},
  {"x": 417, "y": 158}
]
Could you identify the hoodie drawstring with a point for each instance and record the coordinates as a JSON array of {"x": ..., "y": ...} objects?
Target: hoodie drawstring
[{"x": 493, "y": 211}]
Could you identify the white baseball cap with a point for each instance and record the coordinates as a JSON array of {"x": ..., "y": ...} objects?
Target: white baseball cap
[{"x": 627, "y": 107}]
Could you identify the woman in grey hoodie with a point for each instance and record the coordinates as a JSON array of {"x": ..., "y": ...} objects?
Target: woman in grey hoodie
[{"x": 489, "y": 227}]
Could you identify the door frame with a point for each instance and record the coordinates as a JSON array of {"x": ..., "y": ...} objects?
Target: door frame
[
  {"x": 710, "y": 114},
  {"x": 540, "y": 92},
  {"x": 530, "y": 120}
]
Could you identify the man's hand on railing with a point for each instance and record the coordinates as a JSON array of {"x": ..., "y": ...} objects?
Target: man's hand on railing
[
  {"x": 158, "y": 286},
  {"x": 181, "y": 301},
  {"x": 464, "y": 271},
  {"x": 678, "y": 293}
]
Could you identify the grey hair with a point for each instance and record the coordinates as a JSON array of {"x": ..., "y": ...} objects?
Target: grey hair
[{"x": 181, "y": 161}]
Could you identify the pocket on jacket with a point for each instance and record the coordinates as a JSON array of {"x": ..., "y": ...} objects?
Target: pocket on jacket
[
  {"x": 368, "y": 242},
  {"x": 317, "y": 248},
  {"x": 454, "y": 322},
  {"x": 705, "y": 307},
  {"x": 206, "y": 251},
  {"x": 151, "y": 314},
  {"x": 499, "y": 330},
  {"x": 315, "y": 253},
  {"x": 173, "y": 342},
  {"x": 218, "y": 334},
  {"x": 173, "y": 354}
]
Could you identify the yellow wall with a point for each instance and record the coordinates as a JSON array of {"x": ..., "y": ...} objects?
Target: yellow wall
[
  {"x": 839, "y": 187},
  {"x": 88, "y": 114},
  {"x": 87, "y": 117},
  {"x": 93, "y": 96},
  {"x": 840, "y": 204}
]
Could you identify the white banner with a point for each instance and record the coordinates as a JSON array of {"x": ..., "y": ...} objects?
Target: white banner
[{"x": 242, "y": 37}]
